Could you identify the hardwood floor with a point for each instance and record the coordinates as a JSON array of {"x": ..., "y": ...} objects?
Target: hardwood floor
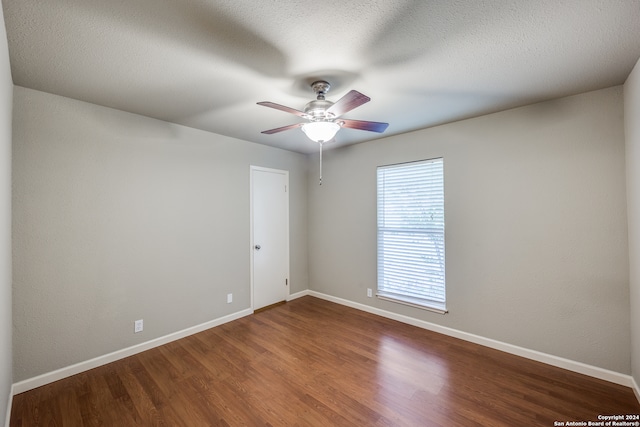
[{"x": 314, "y": 363}]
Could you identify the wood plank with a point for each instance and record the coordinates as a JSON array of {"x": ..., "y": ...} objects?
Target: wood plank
[{"x": 314, "y": 363}]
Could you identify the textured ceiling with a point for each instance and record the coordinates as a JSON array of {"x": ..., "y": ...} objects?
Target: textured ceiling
[{"x": 205, "y": 63}]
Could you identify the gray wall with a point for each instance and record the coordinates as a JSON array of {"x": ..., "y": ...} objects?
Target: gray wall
[
  {"x": 6, "y": 93},
  {"x": 536, "y": 226},
  {"x": 119, "y": 217},
  {"x": 632, "y": 136}
]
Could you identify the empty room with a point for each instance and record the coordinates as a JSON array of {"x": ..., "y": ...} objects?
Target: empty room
[{"x": 360, "y": 213}]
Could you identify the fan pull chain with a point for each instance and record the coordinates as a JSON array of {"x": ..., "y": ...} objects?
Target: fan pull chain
[{"x": 320, "y": 163}]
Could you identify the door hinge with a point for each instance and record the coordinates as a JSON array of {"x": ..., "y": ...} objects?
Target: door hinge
[
  {"x": 285, "y": 188},
  {"x": 286, "y": 282}
]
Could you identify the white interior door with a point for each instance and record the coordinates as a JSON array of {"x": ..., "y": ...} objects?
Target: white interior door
[{"x": 269, "y": 236}]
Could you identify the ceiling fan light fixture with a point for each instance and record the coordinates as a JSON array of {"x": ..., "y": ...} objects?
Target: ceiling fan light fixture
[{"x": 320, "y": 131}]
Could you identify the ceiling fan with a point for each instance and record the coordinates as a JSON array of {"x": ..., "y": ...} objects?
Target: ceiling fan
[{"x": 323, "y": 117}]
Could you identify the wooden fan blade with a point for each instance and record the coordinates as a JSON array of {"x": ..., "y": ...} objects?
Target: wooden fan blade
[
  {"x": 283, "y": 108},
  {"x": 364, "y": 125},
  {"x": 276, "y": 130},
  {"x": 347, "y": 103}
]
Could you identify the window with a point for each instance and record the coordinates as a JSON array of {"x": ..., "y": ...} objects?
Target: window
[{"x": 411, "y": 234}]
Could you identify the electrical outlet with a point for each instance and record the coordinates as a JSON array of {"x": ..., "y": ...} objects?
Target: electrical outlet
[
  {"x": 369, "y": 292},
  {"x": 229, "y": 298},
  {"x": 138, "y": 326}
]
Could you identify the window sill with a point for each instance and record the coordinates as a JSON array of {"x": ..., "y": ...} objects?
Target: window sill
[{"x": 435, "y": 309}]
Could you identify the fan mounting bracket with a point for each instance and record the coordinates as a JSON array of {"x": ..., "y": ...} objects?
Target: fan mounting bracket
[{"x": 320, "y": 87}]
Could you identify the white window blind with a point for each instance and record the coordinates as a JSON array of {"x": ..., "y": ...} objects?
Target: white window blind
[{"x": 411, "y": 234}]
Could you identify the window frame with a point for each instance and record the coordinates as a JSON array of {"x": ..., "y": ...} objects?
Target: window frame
[{"x": 433, "y": 190}]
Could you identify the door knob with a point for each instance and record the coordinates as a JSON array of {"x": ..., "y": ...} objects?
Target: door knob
[{"x": 257, "y": 247}]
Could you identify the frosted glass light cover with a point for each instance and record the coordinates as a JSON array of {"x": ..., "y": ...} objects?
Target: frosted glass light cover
[{"x": 320, "y": 131}]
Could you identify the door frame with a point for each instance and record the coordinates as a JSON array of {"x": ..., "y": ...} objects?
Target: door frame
[{"x": 253, "y": 168}]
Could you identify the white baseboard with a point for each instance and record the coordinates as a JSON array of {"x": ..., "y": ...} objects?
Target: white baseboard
[
  {"x": 571, "y": 365},
  {"x": 7, "y": 420},
  {"x": 636, "y": 389},
  {"x": 68, "y": 371},
  {"x": 298, "y": 295}
]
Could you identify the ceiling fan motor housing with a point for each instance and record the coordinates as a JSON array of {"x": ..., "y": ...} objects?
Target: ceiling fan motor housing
[{"x": 317, "y": 109}]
